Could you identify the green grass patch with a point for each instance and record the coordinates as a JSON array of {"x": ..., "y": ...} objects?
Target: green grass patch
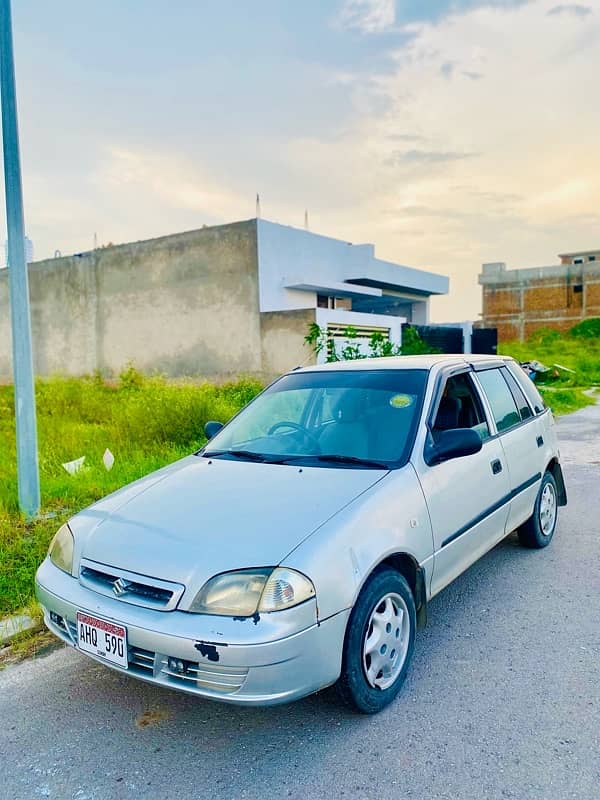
[
  {"x": 579, "y": 350},
  {"x": 565, "y": 400},
  {"x": 145, "y": 422}
]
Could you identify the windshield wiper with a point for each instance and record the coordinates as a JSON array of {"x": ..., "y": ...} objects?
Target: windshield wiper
[
  {"x": 338, "y": 459},
  {"x": 334, "y": 458},
  {"x": 249, "y": 455}
]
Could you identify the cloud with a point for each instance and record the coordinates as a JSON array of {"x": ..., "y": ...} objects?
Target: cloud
[
  {"x": 405, "y": 137},
  {"x": 427, "y": 157},
  {"x": 574, "y": 9},
  {"x": 447, "y": 68},
  {"x": 367, "y": 16},
  {"x": 495, "y": 173}
]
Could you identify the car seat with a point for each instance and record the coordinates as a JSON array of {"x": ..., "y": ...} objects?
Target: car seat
[
  {"x": 348, "y": 435},
  {"x": 448, "y": 414}
]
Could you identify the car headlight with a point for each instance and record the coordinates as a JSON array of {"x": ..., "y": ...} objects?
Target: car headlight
[
  {"x": 61, "y": 549},
  {"x": 244, "y": 593}
]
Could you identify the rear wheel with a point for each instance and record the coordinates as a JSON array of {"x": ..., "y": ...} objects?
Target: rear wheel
[
  {"x": 539, "y": 529},
  {"x": 379, "y": 643}
]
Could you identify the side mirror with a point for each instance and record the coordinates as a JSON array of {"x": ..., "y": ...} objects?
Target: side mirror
[
  {"x": 454, "y": 443},
  {"x": 211, "y": 428}
]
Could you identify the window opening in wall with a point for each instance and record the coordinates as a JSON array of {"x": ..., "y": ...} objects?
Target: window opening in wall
[
  {"x": 591, "y": 258},
  {"x": 327, "y": 301},
  {"x": 577, "y": 288},
  {"x": 343, "y": 302},
  {"x": 578, "y": 260}
]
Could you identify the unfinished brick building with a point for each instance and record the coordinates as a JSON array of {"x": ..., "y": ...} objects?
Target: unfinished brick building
[{"x": 520, "y": 301}]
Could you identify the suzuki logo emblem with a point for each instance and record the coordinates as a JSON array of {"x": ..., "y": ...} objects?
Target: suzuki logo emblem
[{"x": 120, "y": 586}]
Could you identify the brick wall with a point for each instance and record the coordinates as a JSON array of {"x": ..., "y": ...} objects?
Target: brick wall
[{"x": 519, "y": 302}]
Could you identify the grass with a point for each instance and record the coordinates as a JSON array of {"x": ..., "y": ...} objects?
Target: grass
[
  {"x": 145, "y": 422},
  {"x": 579, "y": 353},
  {"x": 565, "y": 400},
  {"x": 578, "y": 350}
]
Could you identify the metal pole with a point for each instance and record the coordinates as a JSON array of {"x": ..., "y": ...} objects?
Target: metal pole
[{"x": 27, "y": 453}]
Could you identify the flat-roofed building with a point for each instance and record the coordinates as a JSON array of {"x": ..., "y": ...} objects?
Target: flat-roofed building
[{"x": 217, "y": 301}]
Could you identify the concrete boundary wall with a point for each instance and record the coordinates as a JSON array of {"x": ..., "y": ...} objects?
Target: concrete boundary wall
[{"x": 176, "y": 304}]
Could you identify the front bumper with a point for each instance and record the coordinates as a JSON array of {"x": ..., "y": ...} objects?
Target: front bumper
[{"x": 282, "y": 657}]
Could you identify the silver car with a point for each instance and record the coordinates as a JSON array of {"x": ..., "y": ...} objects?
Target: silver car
[{"x": 300, "y": 547}]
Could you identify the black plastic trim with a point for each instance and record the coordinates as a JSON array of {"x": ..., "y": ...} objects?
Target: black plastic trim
[
  {"x": 421, "y": 598},
  {"x": 489, "y": 511}
]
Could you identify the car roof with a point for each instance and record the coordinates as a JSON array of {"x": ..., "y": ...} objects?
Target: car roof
[{"x": 405, "y": 362}]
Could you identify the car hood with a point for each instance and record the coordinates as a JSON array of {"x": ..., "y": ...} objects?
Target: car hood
[{"x": 201, "y": 517}]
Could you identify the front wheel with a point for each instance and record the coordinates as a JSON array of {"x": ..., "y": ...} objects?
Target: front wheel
[
  {"x": 379, "y": 643},
  {"x": 539, "y": 529}
]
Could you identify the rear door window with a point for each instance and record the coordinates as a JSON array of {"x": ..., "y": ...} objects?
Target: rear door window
[
  {"x": 504, "y": 409},
  {"x": 527, "y": 386},
  {"x": 520, "y": 399}
]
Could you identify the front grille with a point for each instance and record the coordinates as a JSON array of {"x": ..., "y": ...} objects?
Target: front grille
[
  {"x": 104, "y": 578},
  {"x": 130, "y": 587}
]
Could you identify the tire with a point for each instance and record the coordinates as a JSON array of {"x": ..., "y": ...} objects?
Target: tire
[
  {"x": 539, "y": 529},
  {"x": 373, "y": 672}
]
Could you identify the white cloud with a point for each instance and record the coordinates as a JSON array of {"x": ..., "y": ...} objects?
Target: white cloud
[
  {"x": 367, "y": 16},
  {"x": 505, "y": 166},
  {"x": 169, "y": 179},
  {"x": 575, "y": 9}
]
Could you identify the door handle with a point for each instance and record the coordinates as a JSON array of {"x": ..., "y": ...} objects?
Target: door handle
[
  {"x": 540, "y": 441},
  {"x": 496, "y": 466}
]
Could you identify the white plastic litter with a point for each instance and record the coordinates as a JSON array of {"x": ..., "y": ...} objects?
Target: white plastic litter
[
  {"x": 74, "y": 466},
  {"x": 565, "y": 369},
  {"x": 108, "y": 459}
]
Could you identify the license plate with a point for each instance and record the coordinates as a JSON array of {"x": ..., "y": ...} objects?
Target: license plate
[{"x": 98, "y": 637}]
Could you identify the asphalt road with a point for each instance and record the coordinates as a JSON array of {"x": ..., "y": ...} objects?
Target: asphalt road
[{"x": 502, "y": 701}]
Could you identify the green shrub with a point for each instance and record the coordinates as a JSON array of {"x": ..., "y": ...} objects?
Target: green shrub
[
  {"x": 587, "y": 329},
  {"x": 378, "y": 346}
]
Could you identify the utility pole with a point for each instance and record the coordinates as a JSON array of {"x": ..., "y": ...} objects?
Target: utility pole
[{"x": 27, "y": 452}]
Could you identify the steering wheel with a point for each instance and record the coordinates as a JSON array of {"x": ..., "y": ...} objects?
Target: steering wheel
[{"x": 284, "y": 423}]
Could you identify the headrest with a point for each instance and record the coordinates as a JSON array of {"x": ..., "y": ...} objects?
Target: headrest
[
  {"x": 350, "y": 407},
  {"x": 447, "y": 416}
]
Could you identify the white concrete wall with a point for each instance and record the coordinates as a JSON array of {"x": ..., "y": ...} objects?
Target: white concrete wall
[
  {"x": 420, "y": 313},
  {"x": 291, "y": 256},
  {"x": 326, "y": 316}
]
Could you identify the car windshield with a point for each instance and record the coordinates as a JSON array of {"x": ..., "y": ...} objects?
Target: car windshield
[{"x": 348, "y": 417}]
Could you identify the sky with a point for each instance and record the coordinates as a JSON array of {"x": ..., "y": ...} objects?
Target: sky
[{"x": 447, "y": 133}]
